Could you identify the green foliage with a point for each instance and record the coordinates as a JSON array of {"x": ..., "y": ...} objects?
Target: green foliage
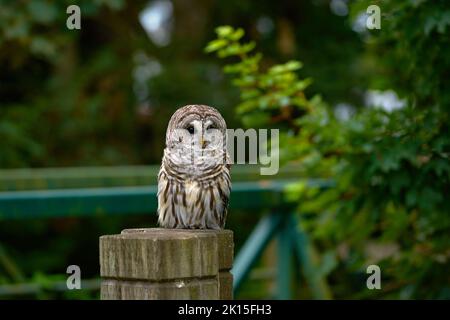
[
  {"x": 79, "y": 85},
  {"x": 73, "y": 98},
  {"x": 53, "y": 93},
  {"x": 391, "y": 168},
  {"x": 267, "y": 96}
]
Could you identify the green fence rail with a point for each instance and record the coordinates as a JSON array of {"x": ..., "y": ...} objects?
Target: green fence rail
[{"x": 76, "y": 192}]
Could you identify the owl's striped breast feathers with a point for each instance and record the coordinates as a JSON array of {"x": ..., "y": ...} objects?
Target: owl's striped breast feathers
[{"x": 192, "y": 203}]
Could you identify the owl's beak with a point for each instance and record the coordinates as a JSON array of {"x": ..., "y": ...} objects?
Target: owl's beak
[{"x": 203, "y": 143}]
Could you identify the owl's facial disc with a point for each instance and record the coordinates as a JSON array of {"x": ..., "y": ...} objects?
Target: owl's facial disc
[
  {"x": 197, "y": 134},
  {"x": 201, "y": 134},
  {"x": 193, "y": 134},
  {"x": 213, "y": 138}
]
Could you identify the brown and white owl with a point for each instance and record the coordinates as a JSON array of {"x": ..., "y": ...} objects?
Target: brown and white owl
[{"x": 194, "y": 180}]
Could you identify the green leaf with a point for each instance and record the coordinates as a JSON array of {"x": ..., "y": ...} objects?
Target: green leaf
[
  {"x": 250, "y": 94},
  {"x": 255, "y": 120},
  {"x": 294, "y": 191},
  {"x": 246, "y": 106},
  {"x": 287, "y": 67},
  {"x": 216, "y": 45},
  {"x": 248, "y": 47},
  {"x": 236, "y": 35},
  {"x": 224, "y": 31},
  {"x": 245, "y": 81},
  {"x": 231, "y": 50}
]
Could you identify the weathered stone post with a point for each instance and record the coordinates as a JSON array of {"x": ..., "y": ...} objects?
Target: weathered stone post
[{"x": 166, "y": 264}]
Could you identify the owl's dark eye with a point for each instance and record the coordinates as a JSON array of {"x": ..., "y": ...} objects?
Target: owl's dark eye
[
  {"x": 190, "y": 129},
  {"x": 211, "y": 126}
]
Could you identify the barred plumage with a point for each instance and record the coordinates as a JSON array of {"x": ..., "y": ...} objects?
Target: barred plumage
[{"x": 194, "y": 180}]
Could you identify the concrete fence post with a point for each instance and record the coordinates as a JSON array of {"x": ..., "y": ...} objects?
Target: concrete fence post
[{"x": 159, "y": 263}]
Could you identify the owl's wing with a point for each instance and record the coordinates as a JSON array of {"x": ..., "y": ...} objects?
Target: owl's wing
[
  {"x": 225, "y": 189},
  {"x": 163, "y": 186}
]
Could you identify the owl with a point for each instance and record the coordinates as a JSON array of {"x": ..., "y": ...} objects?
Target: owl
[{"x": 194, "y": 181}]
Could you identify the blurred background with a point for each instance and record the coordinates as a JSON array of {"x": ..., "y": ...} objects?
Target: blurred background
[{"x": 89, "y": 108}]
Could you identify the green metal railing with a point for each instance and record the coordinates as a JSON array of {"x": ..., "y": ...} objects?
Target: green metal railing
[{"x": 46, "y": 193}]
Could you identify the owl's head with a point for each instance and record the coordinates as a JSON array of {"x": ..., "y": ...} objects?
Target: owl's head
[{"x": 196, "y": 127}]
